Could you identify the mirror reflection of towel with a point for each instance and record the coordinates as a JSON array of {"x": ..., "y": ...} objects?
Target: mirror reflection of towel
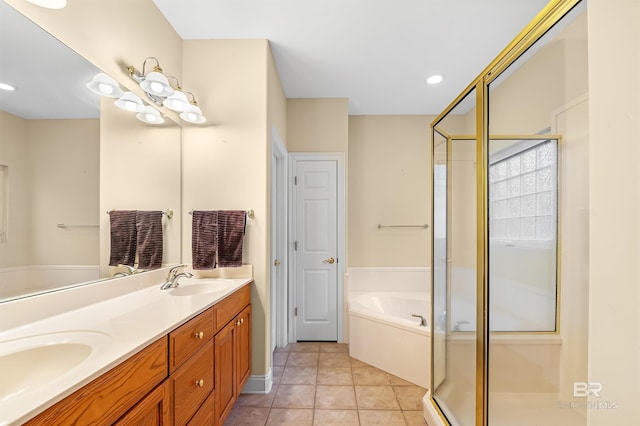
[
  {"x": 203, "y": 245},
  {"x": 231, "y": 225},
  {"x": 149, "y": 241},
  {"x": 123, "y": 237}
]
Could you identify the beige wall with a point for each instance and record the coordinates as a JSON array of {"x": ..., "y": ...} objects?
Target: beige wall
[
  {"x": 64, "y": 187},
  {"x": 139, "y": 170},
  {"x": 48, "y": 186},
  {"x": 225, "y": 162},
  {"x": 389, "y": 184},
  {"x": 13, "y": 153},
  {"x": 276, "y": 101},
  {"x": 317, "y": 125},
  {"x": 614, "y": 265}
]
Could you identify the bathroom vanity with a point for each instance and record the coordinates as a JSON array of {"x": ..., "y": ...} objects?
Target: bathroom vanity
[{"x": 194, "y": 359}]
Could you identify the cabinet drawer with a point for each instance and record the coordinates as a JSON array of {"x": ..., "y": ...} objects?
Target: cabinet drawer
[
  {"x": 189, "y": 337},
  {"x": 229, "y": 307},
  {"x": 206, "y": 415},
  {"x": 192, "y": 383}
]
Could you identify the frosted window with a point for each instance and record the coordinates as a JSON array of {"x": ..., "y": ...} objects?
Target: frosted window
[
  {"x": 523, "y": 194},
  {"x": 4, "y": 194}
]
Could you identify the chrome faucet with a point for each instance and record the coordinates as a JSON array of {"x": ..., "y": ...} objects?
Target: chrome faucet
[
  {"x": 130, "y": 271},
  {"x": 423, "y": 321},
  {"x": 174, "y": 276}
]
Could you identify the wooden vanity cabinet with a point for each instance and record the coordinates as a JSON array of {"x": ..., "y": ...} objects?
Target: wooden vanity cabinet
[{"x": 232, "y": 351}]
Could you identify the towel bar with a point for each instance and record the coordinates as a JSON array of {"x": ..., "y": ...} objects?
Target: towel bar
[
  {"x": 425, "y": 226},
  {"x": 250, "y": 213},
  {"x": 62, "y": 225},
  {"x": 168, "y": 213}
]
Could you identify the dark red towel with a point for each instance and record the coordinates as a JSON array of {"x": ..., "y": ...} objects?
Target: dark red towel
[
  {"x": 123, "y": 237},
  {"x": 149, "y": 226},
  {"x": 230, "y": 236},
  {"x": 203, "y": 244}
]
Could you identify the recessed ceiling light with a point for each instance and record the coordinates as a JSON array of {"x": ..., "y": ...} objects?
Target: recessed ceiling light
[
  {"x": 49, "y": 4},
  {"x": 435, "y": 79},
  {"x": 7, "y": 87}
]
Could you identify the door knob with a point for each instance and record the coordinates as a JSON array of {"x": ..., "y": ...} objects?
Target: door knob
[
  {"x": 276, "y": 263},
  {"x": 330, "y": 261}
]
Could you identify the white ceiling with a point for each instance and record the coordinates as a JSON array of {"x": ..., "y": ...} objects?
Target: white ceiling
[{"x": 377, "y": 53}]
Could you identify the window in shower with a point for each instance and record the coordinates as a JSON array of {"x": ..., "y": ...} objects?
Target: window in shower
[
  {"x": 4, "y": 194},
  {"x": 523, "y": 192}
]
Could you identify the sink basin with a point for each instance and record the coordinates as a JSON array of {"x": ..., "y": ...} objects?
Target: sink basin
[
  {"x": 29, "y": 362},
  {"x": 200, "y": 286}
]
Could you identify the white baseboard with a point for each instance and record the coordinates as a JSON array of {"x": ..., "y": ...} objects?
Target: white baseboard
[{"x": 259, "y": 383}]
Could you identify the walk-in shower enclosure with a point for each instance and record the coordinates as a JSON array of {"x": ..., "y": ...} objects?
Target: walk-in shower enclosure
[{"x": 510, "y": 235}]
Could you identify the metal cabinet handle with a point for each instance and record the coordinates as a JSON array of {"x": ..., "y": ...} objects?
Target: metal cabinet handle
[
  {"x": 199, "y": 335},
  {"x": 330, "y": 261},
  {"x": 200, "y": 383}
]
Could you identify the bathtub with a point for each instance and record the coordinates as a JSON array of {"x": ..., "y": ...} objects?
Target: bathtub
[{"x": 381, "y": 330}]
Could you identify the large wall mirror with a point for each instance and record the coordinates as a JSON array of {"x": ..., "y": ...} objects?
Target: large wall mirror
[{"x": 67, "y": 157}]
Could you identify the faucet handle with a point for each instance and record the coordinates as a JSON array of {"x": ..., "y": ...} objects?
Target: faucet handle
[
  {"x": 130, "y": 269},
  {"x": 173, "y": 271}
]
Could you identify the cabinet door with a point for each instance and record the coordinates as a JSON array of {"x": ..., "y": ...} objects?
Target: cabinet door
[
  {"x": 192, "y": 384},
  {"x": 153, "y": 410},
  {"x": 225, "y": 371},
  {"x": 243, "y": 347}
]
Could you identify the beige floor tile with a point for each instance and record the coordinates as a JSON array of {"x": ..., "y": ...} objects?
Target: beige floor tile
[
  {"x": 414, "y": 418},
  {"x": 335, "y": 418},
  {"x": 410, "y": 397},
  {"x": 247, "y": 416},
  {"x": 305, "y": 347},
  {"x": 283, "y": 348},
  {"x": 397, "y": 381},
  {"x": 280, "y": 359},
  {"x": 370, "y": 376},
  {"x": 302, "y": 359},
  {"x": 334, "y": 347},
  {"x": 376, "y": 398},
  {"x": 257, "y": 399},
  {"x": 299, "y": 376},
  {"x": 356, "y": 363},
  {"x": 335, "y": 360},
  {"x": 381, "y": 418},
  {"x": 276, "y": 374},
  {"x": 335, "y": 397},
  {"x": 295, "y": 396},
  {"x": 292, "y": 417},
  {"x": 334, "y": 376}
]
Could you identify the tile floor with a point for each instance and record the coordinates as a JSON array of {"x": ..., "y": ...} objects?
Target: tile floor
[{"x": 319, "y": 384}]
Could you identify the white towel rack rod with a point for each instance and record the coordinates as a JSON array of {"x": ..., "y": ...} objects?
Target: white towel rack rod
[
  {"x": 250, "y": 214},
  {"x": 425, "y": 226}
]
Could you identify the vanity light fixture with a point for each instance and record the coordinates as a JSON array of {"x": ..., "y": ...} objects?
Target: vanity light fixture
[
  {"x": 150, "y": 115},
  {"x": 103, "y": 85},
  {"x": 49, "y": 4},
  {"x": 155, "y": 84},
  {"x": 435, "y": 79},
  {"x": 193, "y": 113},
  {"x": 129, "y": 101},
  {"x": 178, "y": 100}
]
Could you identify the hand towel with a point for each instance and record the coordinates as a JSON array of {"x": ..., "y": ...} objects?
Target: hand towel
[
  {"x": 231, "y": 225},
  {"x": 203, "y": 244},
  {"x": 149, "y": 227},
  {"x": 123, "y": 237}
]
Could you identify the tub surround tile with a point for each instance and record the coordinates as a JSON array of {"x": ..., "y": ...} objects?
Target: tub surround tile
[
  {"x": 336, "y": 418},
  {"x": 376, "y": 398},
  {"x": 295, "y": 396},
  {"x": 381, "y": 418},
  {"x": 335, "y": 397},
  {"x": 299, "y": 376},
  {"x": 247, "y": 416},
  {"x": 290, "y": 417}
]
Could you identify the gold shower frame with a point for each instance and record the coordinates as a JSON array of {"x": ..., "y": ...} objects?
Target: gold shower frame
[{"x": 547, "y": 18}]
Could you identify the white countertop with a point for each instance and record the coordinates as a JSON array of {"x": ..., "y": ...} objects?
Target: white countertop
[{"x": 117, "y": 327}]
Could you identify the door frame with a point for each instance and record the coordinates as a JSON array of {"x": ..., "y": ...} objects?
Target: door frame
[
  {"x": 279, "y": 238},
  {"x": 339, "y": 158}
]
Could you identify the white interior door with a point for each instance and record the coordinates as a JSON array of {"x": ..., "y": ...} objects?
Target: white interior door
[{"x": 316, "y": 250}]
